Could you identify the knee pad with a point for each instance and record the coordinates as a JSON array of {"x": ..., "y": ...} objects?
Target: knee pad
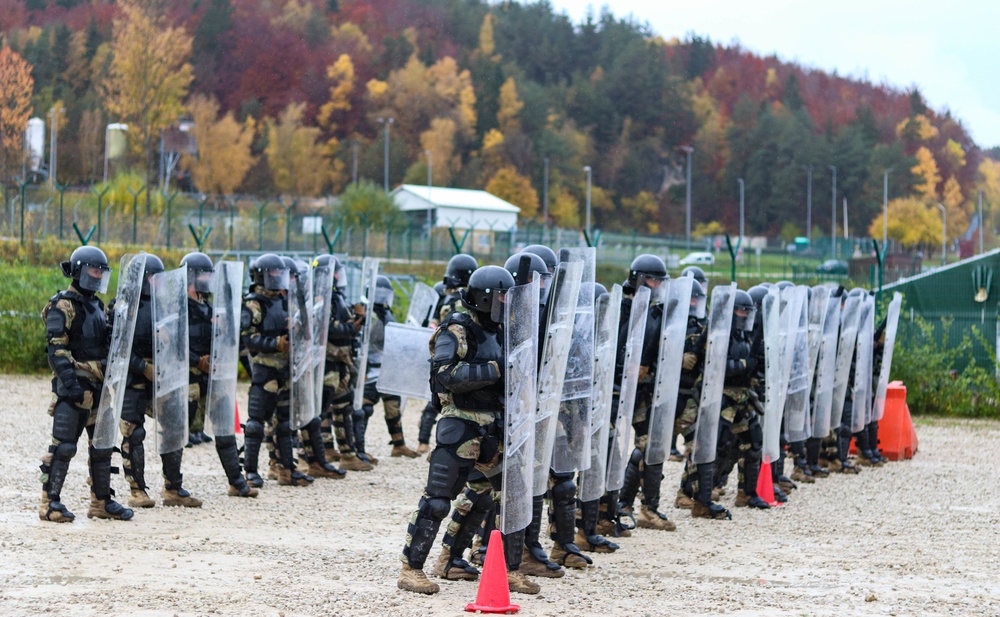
[
  {"x": 64, "y": 452},
  {"x": 361, "y": 414},
  {"x": 66, "y": 420},
  {"x": 225, "y": 441},
  {"x": 312, "y": 426},
  {"x": 435, "y": 508},
  {"x": 253, "y": 429},
  {"x": 100, "y": 455},
  {"x": 134, "y": 403},
  {"x": 756, "y": 435},
  {"x": 753, "y": 454},
  {"x": 261, "y": 403},
  {"x": 636, "y": 457},
  {"x": 563, "y": 491},
  {"x": 483, "y": 502},
  {"x": 138, "y": 435},
  {"x": 283, "y": 428},
  {"x": 447, "y": 473},
  {"x": 453, "y": 431}
]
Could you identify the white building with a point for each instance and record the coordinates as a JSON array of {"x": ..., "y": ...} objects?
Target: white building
[{"x": 460, "y": 209}]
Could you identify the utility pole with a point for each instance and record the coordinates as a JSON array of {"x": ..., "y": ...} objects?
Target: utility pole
[
  {"x": 687, "y": 198},
  {"x": 809, "y": 204},
  {"x": 385, "y": 181},
  {"x": 833, "y": 213}
]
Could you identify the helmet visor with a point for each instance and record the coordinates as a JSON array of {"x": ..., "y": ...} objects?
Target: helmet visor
[
  {"x": 340, "y": 277},
  {"x": 698, "y": 305},
  {"x": 544, "y": 287},
  {"x": 276, "y": 279},
  {"x": 95, "y": 278},
  {"x": 743, "y": 318},
  {"x": 657, "y": 287},
  {"x": 201, "y": 279},
  {"x": 384, "y": 296},
  {"x": 498, "y": 300}
]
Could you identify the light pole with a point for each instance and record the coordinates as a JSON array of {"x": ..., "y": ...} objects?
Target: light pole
[
  {"x": 115, "y": 126},
  {"x": 981, "y": 222},
  {"x": 589, "y": 172},
  {"x": 354, "y": 166},
  {"x": 687, "y": 198},
  {"x": 885, "y": 209},
  {"x": 809, "y": 204},
  {"x": 740, "y": 180},
  {"x": 54, "y": 144},
  {"x": 545, "y": 195},
  {"x": 430, "y": 177},
  {"x": 387, "y": 122},
  {"x": 833, "y": 213},
  {"x": 944, "y": 232}
]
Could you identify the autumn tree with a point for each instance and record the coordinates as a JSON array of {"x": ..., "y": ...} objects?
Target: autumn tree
[
  {"x": 148, "y": 77},
  {"x": 224, "y": 156},
  {"x": 16, "y": 87},
  {"x": 564, "y": 208},
  {"x": 912, "y": 223},
  {"x": 439, "y": 140},
  {"x": 91, "y": 142},
  {"x": 295, "y": 153},
  {"x": 511, "y": 186},
  {"x": 926, "y": 171},
  {"x": 365, "y": 204}
]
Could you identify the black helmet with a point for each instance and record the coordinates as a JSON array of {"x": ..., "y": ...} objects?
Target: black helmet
[
  {"x": 293, "y": 268},
  {"x": 200, "y": 271},
  {"x": 547, "y": 255},
  {"x": 439, "y": 288},
  {"x": 154, "y": 265},
  {"x": 744, "y": 311},
  {"x": 857, "y": 292},
  {"x": 522, "y": 267},
  {"x": 460, "y": 268},
  {"x": 697, "y": 273},
  {"x": 768, "y": 284},
  {"x": 322, "y": 260},
  {"x": 89, "y": 269},
  {"x": 485, "y": 291},
  {"x": 784, "y": 284},
  {"x": 270, "y": 272},
  {"x": 599, "y": 290},
  {"x": 384, "y": 292},
  {"x": 646, "y": 270},
  {"x": 757, "y": 292},
  {"x": 699, "y": 300},
  {"x": 302, "y": 266}
]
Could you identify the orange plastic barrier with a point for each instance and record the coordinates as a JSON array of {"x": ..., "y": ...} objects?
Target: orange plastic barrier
[
  {"x": 896, "y": 436},
  {"x": 494, "y": 593}
]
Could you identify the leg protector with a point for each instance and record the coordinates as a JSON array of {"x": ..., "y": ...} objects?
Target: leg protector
[
  {"x": 633, "y": 477},
  {"x": 172, "y": 478},
  {"x": 812, "y": 451},
  {"x": 134, "y": 454},
  {"x": 704, "y": 506},
  {"x": 873, "y": 440},
  {"x": 360, "y": 418},
  {"x": 100, "y": 472},
  {"x": 423, "y": 528},
  {"x": 652, "y": 476},
  {"x": 229, "y": 456},
  {"x": 512, "y": 549},
  {"x": 253, "y": 436},
  {"x": 563, "y": 498},
  {"x": 62, "y": 454},
  {"x": 427, "y": 420},
  {"x": 393, "y": 419},
  {"x": 459, "y": 537}
]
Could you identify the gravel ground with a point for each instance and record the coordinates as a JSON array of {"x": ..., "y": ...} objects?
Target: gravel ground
[{"x": 913, "y": 538}]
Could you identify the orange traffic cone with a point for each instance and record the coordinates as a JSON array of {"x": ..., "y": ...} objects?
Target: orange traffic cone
[
  {"x": 765, "y": 484},
  {"x": 494, "y": 594},
  {"x": 238, "y": 428},
  {"x": 896, "y": 435}
]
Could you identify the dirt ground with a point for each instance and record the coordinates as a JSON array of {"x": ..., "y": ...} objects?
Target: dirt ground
[{"x": 913, "y": 538}]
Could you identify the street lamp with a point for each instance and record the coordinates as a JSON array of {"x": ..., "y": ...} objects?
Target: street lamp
[
  {"x": 809, "y": 203},
  {"x": 115, "y": 126},
  {"x": 740, "y": 180},
  {"x": 687, "y": 198},
  {"x": 387, "y": 122},
  {"x": 833, "y": 212},
  {"x": 981, "y": 222},
  {"x": 430, "y": 177},
  {"x": 54, "y": 143},
  {"x": 885, "y": 209},
  {"x": 944, "y": 232},
  {"x": 589, "y": 171}
]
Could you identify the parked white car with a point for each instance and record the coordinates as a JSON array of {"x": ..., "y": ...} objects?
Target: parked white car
[{"x": 698, "y": 259}]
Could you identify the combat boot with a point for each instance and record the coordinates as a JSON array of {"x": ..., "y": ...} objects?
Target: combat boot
[
  {"x": 712, "y": 511},
  {"x": 683, "y": 501},
  {"x": 325, "y": 470},
  {"x": 594, "y": 543},
  {"x": 54, "y": 511},
  {"x": 242, "y": 490},
  {"x": 848, "y": 467},
  {"x": 254, "y": 479},
  {"x": 403, "y": 450},
  {"x": 569, "y": 558},
  {"x": 454, "y": 570},
  {"x": 272, "y": 469},
  {"x": 413, "y": 579},
  {"x": 834, "y": 465},
  {"x": 865, "y": 459},
  {"x": 780, "y": 496},
  {"x": 291, "y": 477},
  {"x": 108, "y": 508},
  {"x": 518, "y": 582},
  {"x": 649, "y": 518},
  {"x": 818, "y": 472},
  {"x": 802, "y": 475},
  {"x": 718, "y": 492},
  {"x": 423, "y": 448},
  {"x": 350, "y": 462},
  {"x": 333, "y": 454},
  {"x": 138, "y": 498},
  {"x": 746, "y": 501},
  {"x": 533, "y": 567},
  {"x": 179, "y": 497}
]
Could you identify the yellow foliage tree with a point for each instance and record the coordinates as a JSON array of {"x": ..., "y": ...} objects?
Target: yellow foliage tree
[
  {"x": 509, "y": 185},
  {"x": 706, "y": 230},
  {"x": 487, "y": 45},
  {"x": 927, "y": 170},
  {"x": 16, "y": 88},
  {"x": 224, "y": 156},
  {"x": 912, "y": 223},
  {"x": 954, "y": 203},
  {"x": 439, "y": 140},
  {"x": 954, "y": 155},
  {"x": 341, "y": 74},
  {"x": 295, "y": 155},
  {"x": 510, "y": 107},
  {"x": 565, "y": 209},
  {"x": 642, "y": 210},
  {"x": 148, "y": 76},
  {"x": 918, "y": 128}
]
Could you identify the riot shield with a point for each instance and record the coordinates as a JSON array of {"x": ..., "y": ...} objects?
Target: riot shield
[
  {"x": 849, "y": 318},
  {"x": 571, "y": 451},
  {"x": 607, "y": 311},
  {"x": 861, "y": 412},
  {"x": 109, "y": 409},
  {"x": 891, "y": 327},
  {"x": 520, "y": 388},
  {"x": 797, "y": 420},
  {"x": 720, "y": 321},
  {"x": 405, "y": 361},
  {"x": 552, "y": 368},
  {"x": 170, "y": 357},
  {"x": 302, "y": 395},
  {"x": 369, "y": 276},
  {"x": 775, "y": 378},
  {"x": 322, "y": 293},
  {"x": 668, "y": 369},
  {"x": 621, "y": 435},
  {"x": 818, "y": 301},
  {"x": 826, "y": 367},
  {"x": 422, "y": 302},
  {"x": 226, "y": 294}
]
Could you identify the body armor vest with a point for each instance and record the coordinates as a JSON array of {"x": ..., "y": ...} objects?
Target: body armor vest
[
  {"x": 199, "y": 328},
  {"x": 739, "y": 349},
  {"x": 88, "y": 333},
  {"x": 483, "y": 346},
  {"x": 274, "y": 315},
  {"x": 694, "y": 330}
]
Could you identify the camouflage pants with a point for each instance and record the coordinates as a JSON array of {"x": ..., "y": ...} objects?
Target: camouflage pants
[
  {"x": 197, "y": 395},
  {"x": 391, "y": 410}
]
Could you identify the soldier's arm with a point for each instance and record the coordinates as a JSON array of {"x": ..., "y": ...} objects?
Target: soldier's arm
[
  {"x": 58, "y": 318},
  {"x": 451, "y": 369},
  {"x": 254, "y": 341}
]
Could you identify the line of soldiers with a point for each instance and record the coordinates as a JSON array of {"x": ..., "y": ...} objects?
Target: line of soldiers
[
  {"x": 740, "y": 380},
  {"x": 168, "y": 346}
]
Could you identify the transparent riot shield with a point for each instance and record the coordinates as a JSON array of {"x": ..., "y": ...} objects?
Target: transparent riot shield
[
  {"x": 406, "y": 361},
  {"x": 720, "y": 321},
  {"x": 607, "y": 311},
  {"x": 861, "y": 412},
  {"x": 797, "y": 420},
  {"x": 775, "y": 338},
  {"x": 226, "y": 301},
  {"x": 826, "y": 367},
  {"x": 891, "y": 327},
  {"x": 170, "y": 357},
  {"x": 369, "y": 276},
  {"x": 322, "y": 293},
  {"x": 422, "y": 302},
  {"x": 109, "y": 409},
  {"x": 302, "y": 397},
  {"x": 552, "y": 369},
  {"x": 850, "y": 315},
  {"x": 621, "y": 433},
  {"x": 818, "y": 301},
  {"x": 520, "y": 387},
  {"x": 571, "y": 451},
  {"x": 668, "y": 369}
]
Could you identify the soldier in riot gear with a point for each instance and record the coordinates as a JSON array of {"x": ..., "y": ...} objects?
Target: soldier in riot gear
[
  {"x": 200, "y": 271},
  {"x": 381, "y": 315},
  {"x": 548, "y": 255},
  {"x": 137, "y": 404},
  {"x": 648, "y": 270},
  {"x": 77, "y": 337},
  {"x": 336, "y": 422},
  {"x": 843, "y": 443},
  {"x": 697, "y": 274},
  {"x": 867, "y": 438},
  {"x": 781, "y": 481},
  {"x": 467, "y": 353},
  {"x": 264, "y": 329}
]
